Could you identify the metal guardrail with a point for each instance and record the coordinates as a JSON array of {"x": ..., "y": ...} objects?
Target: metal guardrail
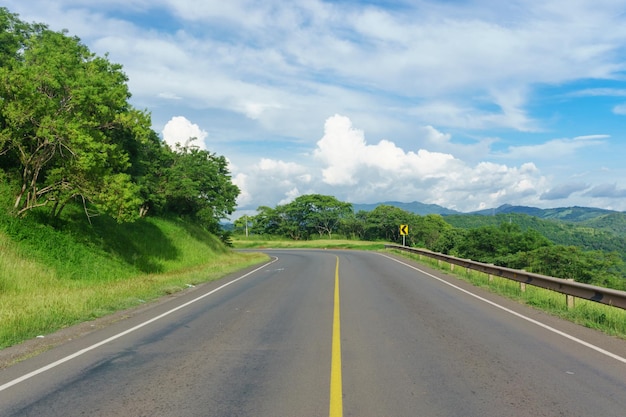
[{"x": 602, "y": 295}]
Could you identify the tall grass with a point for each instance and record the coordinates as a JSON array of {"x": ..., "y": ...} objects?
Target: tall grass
[
  {"x": 55, "y": 274},
  {"x": 264, "y": 242}
]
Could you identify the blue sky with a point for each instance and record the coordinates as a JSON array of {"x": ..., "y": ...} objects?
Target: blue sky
[{"x": 466, "y": 104}]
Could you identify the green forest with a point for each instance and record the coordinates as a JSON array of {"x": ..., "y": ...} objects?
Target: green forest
[
  {"x": 581, "y": 252},
  {"x": 70, "y": 138}
]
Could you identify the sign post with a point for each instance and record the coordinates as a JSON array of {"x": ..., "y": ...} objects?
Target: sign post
[{"x": 404, "y": 230}]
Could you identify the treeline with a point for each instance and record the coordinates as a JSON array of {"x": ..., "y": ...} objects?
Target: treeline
[
  {"x": 504, "y": 244},
  {"x": 605, "y": 232},
  {"x": 68, "y": 136}
]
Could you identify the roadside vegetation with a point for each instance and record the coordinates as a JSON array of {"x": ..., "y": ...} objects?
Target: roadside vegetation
[
  {"x": 610, "y": 320},
  {"x": 97, "y": 214},
  {"x": 516, "y": 242},
  {"x": 255, "y": 242},
  {"x": 52, "y": 277}
]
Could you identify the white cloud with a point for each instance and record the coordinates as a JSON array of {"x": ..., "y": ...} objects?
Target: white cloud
[
  {"x": 598, "y": 92},
  {"x": 620, "y": 109},
  {"x": 169, "y": 96},
  {"x": 290, "y": 196},
  {"x": 365, "y": 172},
  {"x": 285, "y": 64},
  {"x": 436, "y": 137},
  {"x": 554, "y": 148},
  {"x": 181, "y": 131},
  {"x": 245, "y": 198},
  {"x": 562, "y": 191},
  {"x": 347, "y": 157},
  {"x": 257, "y": 71},
  {"x": 345, "y": 165},
  {"x": 270, "y": 182}
]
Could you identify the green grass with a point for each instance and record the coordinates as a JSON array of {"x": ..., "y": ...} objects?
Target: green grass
[
  {"x": 54, "y": 276},
  {"x": 610, "y": 320},
  {"x": 256, "y": 242}
]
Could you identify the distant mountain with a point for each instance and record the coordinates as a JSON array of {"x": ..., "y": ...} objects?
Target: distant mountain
[
  {"x": 603, "y": 219},
  {"x": 507, "y": 208},
  {"x": 568, "y": 214},
  {"x": 414, "y": 207}
]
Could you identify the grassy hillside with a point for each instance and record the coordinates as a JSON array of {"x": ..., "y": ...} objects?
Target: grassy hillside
[
  {"x": 53, "y": 276},
  {"x": 599, "y": 233}
]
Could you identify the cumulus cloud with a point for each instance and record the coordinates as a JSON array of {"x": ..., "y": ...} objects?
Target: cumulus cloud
[
  {"x": 606, "y": 191},
  {"x": 181, "y": 131},
  {"x": 349, "y": 159},
  {"x": 345, "y": 164},
  {"x": 270, "y": 182},
  {"x": 554, "y": 148},
  {"x": 374, "y": 172},
  {"x": 563, "y": 191}
]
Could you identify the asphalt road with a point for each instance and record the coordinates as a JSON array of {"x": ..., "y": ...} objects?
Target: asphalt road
[{"x": 410, "y": 344}]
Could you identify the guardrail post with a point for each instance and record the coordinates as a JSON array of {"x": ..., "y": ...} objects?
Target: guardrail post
[{"x": 569, "y": 299}]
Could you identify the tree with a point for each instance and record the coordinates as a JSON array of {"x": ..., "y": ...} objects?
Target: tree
[
  {"x": 492, "y": 244},
  {"x": 303, "y": 217},
  {"x": 150, "y": 161},
  {"x": 66, "y": 119},
  {"x": 427, "y": 230},
  {"x": 448, "y": 241},
  {"x": 384, "y": 222},
  {"x": 353, "y": 225},
  {"x": 13, "y": 36},
  {"x": 291, "y": 222},
  {"x": 266, "y": 222},
  {"x": 590, "y": 267},
  {"x": 319, "y": 213},
  {"x": 197, "y": 184}
]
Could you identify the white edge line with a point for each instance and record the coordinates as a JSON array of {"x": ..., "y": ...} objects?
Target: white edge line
[
  {"x": 538, "y": 323},
  {"x": 124, "y": 333}
]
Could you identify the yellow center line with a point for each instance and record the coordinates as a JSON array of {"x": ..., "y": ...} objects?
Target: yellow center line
[{"x": 336, "y": 390}]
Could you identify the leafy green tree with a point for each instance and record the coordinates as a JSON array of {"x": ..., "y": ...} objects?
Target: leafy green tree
[
  {"x": 427, "y": 229},
  {"x": 448, "y": 241},
  {"x": 13, "y": 36},
  {"x": 150, "y": 160},
  {"x": 590, "y": 267},
  {"x": 353, "y": 225},
  {"x": 305, "y": 216},
  {"x": 384, "y": 221},
  {"x": 243, "y": 225},
  {"x": 317, "y": 213},
  {"x": 490, "y": 243},
  {"x": 266, "y": 222},
  {"x": 198, "y": 185},
  {"x": 291, "y": 222},
  {"x": 66, "y": 119}
]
